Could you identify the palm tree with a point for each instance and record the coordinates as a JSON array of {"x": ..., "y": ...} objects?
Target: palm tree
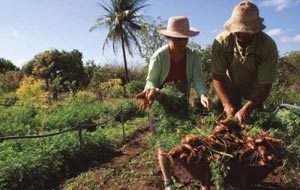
[{"x": 122, "y": 21}]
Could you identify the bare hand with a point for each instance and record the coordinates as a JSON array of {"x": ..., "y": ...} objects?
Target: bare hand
[
  {"x": 205, "y": 101},
  {"x": 149, "y": 96},
  {"x": 243, "y": 115},
  {"x": 229, "y": 110}
]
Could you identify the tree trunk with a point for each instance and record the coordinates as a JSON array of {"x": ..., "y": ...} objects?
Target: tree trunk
[{"x": 125, "y": 61}]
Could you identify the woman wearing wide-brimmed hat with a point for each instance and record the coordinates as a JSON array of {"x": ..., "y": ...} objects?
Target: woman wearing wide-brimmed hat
[
  {"x": 174, "y": 62},
  {"x": 244, "y": 62}
]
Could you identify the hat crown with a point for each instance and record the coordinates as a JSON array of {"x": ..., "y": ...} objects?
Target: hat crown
[
  {"x": 178, "y": 27},
  {"x": 179, "y": 24},
  {"x": 245, "y": 11}
]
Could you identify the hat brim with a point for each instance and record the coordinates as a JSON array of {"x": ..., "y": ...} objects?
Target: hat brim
[
  {"x": 233, "y": 25},
  {"x": 175, "y": 34}
]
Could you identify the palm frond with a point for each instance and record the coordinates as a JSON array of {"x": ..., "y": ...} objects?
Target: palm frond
[
  {"x": 102, "y": 21},
  {"x": 134, "y": 11},
  {"x": 106, "y": 7},
  {"x": 134, "y": 39}
]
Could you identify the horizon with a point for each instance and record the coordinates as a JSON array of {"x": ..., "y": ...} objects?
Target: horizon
[{"x": 31, "y": 27}]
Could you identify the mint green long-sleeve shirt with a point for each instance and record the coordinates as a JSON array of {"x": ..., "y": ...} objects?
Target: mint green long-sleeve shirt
[{"x": 159, "y": 68}]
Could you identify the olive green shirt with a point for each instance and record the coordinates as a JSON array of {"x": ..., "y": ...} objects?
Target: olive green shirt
[{"x": 245, "y": 72}]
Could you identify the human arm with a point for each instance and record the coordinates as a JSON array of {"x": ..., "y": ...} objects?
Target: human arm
[
  {"x": 267, "y": 74},
  {"x": 219, "y": 66},
  {"x": 151, "y": 91},
  {"x": 148, "y": 96},
  {"x": 222, "y": 91},
  {"x": 198, "y": 83},
  {"x": 259, "y": 95}
]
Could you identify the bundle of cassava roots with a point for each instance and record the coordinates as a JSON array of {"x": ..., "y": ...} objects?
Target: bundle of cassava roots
[{"x": 228, "y": 145}]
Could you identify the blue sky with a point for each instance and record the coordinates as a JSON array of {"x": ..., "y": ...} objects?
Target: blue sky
[{"x": 29, "y": 27}]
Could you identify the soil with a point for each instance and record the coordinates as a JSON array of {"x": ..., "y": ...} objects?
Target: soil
[{"x": 135, "y": 167}]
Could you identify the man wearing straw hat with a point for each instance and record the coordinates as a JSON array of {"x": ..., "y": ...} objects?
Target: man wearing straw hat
[{"x": 244, "y": 62}]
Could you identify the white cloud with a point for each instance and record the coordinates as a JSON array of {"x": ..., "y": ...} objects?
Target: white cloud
[
  {"x": 280, "y": 4},
  {"x": 275, "y": 32},
  {"x": 290, "y": 39}
]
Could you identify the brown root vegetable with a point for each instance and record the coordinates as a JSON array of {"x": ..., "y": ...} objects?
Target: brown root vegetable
[
  {"x": 250, "y": 144},
  {"x": 230, "y": 146},
  {"x": 183, "y": 156},
  {"x": 270, "y": 158},
  {"x": 259, "y": 140},
  {"x": 261, "y": 163},
  {"x": 188, "y": 147},
  {"x": 189, "y": 139},
  {"x": 262, "y": 151}
]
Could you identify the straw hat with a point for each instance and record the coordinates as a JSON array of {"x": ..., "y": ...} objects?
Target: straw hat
[
  {"x": 178, "y": 27},
  {"x": 245, "y": 18}
]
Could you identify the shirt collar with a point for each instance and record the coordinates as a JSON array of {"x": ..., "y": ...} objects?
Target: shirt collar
[{"x": 250, "y": 49}]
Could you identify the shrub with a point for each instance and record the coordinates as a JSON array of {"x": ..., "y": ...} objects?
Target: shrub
[
  {"x": 85, "y": 96},
  {"x": 134, "y": 87},
  {"x": 112, "y": 88},
  {"x": 32, "y": 89}
]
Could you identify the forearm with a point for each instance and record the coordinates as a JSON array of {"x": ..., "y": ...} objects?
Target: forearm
[
  {"x": 258, "y": 97},
  {"x": 221, "y": 89}
]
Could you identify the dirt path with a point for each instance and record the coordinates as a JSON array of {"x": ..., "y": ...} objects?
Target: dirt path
[{"x": 135, "y": 167}]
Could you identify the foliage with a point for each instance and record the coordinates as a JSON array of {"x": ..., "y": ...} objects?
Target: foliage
[
  {"x": 44, "y": 163},
  {"x": 287, "y": 87},
  {"x": 17, "y": 120},
  {"x": 89, "y": 69},
  {"x": 171, "y": 115},
  {"x": 112, "y": 88},
  {"x": 218, "y": 172},
  {"x": 134, "y": 87},
  {"x": 10, "y": 81},
  {"x": 173, "y": 96},
  {"x": 8, "y": 98},
  {"x": 60, "y": 66},
  {"x": 86, "y": 96},
  {"x": 27, "y": 68},
  {"x": 286, "y": 125},
  {"x": 122, "y": 19},
  {"x": 293, "y": 58},
  {"x": 205, "y": 55},
  {"x": 7, "y": 65},
  {"x": 32, "y": 89},
  {"x": 149, "y": 39}
]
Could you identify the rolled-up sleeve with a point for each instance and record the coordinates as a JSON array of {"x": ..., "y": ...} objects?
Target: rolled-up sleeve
[
  {"x": 267, "y": 69},
  {"x": 218, "y": 59},
  {"x": 153, "y": 73}
]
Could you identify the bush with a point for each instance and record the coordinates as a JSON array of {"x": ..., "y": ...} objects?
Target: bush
[
  {"x": 85, "y": 96},
  {"x": 44, "y": 163},
  {"x": 32, "y": 89},
  {"x": 112, "y": 88},
  {"x": 134, "y": 87},
  {"x": 10, "y": 81}
]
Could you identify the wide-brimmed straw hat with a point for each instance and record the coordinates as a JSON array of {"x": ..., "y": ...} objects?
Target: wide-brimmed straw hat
[
  {"x": 178, "y": 27},
  {"x": 245, "y": 18}
]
